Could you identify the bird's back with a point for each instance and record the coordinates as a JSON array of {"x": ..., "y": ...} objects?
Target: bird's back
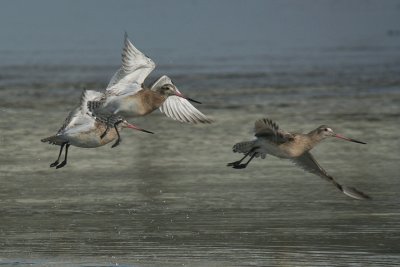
[{"x": 277, "y": 142}]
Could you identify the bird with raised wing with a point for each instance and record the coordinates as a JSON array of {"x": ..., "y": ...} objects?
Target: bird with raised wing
[
  {"x": 81, "y": 129},
  {"x": 126, "y": 94},
  {"x": 294, "y": 146}
]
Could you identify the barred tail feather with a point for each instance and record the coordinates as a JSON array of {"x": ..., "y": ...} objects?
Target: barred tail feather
[
  {"x": 245, "y": 147},
  {"x": 55, "y": 140}
]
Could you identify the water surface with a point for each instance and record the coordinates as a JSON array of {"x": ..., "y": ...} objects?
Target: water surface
[{"x": 168, "y": 199}]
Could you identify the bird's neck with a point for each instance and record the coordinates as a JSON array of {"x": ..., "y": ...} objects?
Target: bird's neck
[
  {"x": 151, "y": 99},
  {"x": 312, "y": 139}
]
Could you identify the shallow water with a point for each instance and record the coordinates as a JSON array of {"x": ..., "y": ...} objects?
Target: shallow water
[{"x": 168, "y": 199}]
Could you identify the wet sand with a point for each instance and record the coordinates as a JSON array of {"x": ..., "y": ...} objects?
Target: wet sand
[{"x": 169, "y": 200}]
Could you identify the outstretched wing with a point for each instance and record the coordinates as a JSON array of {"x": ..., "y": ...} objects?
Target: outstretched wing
[
  {"x": 309, "y": 164},
  {"x": 179, "y": 108},
  {"x": 268, "y": 129},
  {"x": 136, "y": 66},
  {"x": 81, "y": 116}
]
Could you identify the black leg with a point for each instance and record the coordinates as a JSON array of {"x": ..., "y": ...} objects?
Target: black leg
[
  {"x": 62, "y": 164},
  {"x": 238, "y": 161},
  {"x": 55, "y": 163},
  {"x": 105, "y": 132},
  {"x": 242, "y": 166},
  {"x": 119, "y": 137}
]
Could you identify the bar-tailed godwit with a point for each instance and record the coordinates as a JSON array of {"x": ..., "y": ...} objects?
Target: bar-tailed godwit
[
  {"x": 126, "y": 94},
  {"x": 81, "y": 129},
  {"x": 294, "y": 146}
]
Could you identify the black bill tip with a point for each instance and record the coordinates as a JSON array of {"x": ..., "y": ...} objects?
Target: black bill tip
[
  {"x": 143, "y": 130},
  {"x": 192, "y": 100},
  {"x": 356, "y": 141}
]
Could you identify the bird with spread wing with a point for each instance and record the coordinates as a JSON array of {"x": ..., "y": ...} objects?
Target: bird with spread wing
[
  {"x": 82, "y": 129},
  {"x": 126, "y": 94},
  {"x": 294, "y": 146}
]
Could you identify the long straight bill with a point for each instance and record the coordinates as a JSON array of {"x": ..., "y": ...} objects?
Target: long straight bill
[
  {"x": 139, "y": 129},
  {"x": 348, "y": 139},
  {"x": 187, "y": 98}
]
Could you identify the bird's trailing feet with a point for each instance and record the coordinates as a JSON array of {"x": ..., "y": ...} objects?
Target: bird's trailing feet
[
  {"x": 238, "y": 164},
  {"x": 62, "y": 164},
  {"x": 233, "y": 164}
]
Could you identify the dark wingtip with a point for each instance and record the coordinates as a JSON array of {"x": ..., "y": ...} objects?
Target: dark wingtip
[
  {"x": 354, "y": 193},
  {"x": 206, "y": 121}
]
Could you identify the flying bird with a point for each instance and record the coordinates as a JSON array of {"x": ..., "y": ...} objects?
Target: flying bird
[
  {"x": 126, "y": 94},
  {"x": 294, "y": 146},
  {"x": 82, "y": 129}
]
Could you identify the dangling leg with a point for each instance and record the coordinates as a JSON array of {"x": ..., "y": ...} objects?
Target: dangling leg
[
  {"x": 62, "y": 164},
  {"x": 236, "y": 163},
  {"x": 109, "y": 121},
  {"x": 55, "y": 163},
  {"x": 119, "y": 137},
  {"x": 242, "y": 166},
  {"x": 105, "y": 132}
]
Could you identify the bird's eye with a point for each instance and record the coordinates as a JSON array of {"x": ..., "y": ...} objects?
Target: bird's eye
[{"x": 326, "y": 129}]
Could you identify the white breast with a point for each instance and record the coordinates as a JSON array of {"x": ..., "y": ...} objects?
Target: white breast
[{"x": 272, "y": 149}]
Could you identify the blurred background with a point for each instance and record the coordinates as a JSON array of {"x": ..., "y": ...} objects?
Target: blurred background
[
  {"x": 227, "y": 43},
  {"x": 169, "y": 199}
]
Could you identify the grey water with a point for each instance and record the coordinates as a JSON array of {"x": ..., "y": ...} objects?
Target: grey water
[{"x": 168, "y": 199}]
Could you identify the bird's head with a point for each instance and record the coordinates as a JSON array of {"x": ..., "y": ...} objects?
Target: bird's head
[
  {"x": 325, "y": 131},
  {"x": 165, "y": 87}
]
